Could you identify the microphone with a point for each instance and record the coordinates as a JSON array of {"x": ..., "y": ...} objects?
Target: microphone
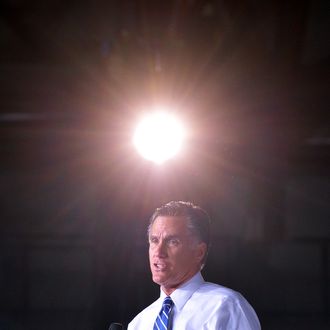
[{"x": 116, "y": 326}]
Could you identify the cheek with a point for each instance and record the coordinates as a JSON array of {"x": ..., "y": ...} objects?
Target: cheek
[
  {"x": 189, "y": 257},
  {"x": 183, "y": 256}
]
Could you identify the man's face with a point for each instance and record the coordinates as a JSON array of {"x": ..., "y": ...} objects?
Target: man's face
[{"x": 174, "y": 253}]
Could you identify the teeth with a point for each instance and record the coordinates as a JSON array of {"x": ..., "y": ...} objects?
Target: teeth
[{"x": 160, "y": 266}]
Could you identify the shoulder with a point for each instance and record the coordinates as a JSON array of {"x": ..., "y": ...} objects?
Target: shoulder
[
  {"x": 221, "y": 297},
  {"x": 219, "y": 291},
  {"x": 223, "y": 303}
]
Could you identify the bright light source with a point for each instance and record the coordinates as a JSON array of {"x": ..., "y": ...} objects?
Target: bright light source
[{"x": 158, "y": 137}]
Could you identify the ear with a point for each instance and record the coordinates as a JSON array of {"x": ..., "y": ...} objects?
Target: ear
[{"x": 201, "y": 251}]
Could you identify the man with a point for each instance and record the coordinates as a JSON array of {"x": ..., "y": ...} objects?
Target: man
[{"x": 179, "y": 236}]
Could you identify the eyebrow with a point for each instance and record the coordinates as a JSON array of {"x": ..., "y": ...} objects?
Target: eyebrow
[{"x": 166, "y": 238}]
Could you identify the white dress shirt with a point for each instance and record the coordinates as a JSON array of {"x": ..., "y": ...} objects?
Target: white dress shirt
[{"x": 200, "y": 305}]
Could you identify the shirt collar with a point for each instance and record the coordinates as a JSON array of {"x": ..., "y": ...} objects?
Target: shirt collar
[{"x": 181, "y": 295}]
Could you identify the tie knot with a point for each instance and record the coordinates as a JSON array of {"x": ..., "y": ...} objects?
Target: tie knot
[{"x": 168, "y": 302}]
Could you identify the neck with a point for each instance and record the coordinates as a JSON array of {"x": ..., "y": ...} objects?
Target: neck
[{"x": 169, "y": 289}]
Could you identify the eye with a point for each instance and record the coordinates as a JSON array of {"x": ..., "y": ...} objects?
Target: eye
[
  {"x": 153, "y": 240},
  {"x": 173, "y": 242}
]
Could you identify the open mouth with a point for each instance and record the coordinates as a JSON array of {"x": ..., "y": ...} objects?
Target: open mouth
[{"x": 159, "y": 266}]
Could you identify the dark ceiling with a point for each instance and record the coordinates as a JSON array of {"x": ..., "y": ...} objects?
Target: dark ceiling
[{"x": 257, "y": 70}]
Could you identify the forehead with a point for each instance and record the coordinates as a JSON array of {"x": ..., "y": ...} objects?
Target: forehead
[{"x": 169, "y": 225}]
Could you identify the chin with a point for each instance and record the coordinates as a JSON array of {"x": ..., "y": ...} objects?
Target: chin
[{"x": 158, "y": 280}]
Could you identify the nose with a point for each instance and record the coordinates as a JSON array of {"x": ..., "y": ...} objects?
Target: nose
[{"x": 160, "y": 250}]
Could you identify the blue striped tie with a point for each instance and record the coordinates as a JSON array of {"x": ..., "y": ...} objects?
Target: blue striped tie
[{"x": 162, "y": 320}]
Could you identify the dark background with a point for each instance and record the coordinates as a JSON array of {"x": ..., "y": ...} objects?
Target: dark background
[{"x": 249, "y": 78}]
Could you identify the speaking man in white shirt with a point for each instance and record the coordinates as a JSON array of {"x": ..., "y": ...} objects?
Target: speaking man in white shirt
[{"x": 179, "y": 237}]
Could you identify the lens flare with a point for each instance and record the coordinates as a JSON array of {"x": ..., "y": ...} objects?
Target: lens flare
[{"x": 159, "y": 137}]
